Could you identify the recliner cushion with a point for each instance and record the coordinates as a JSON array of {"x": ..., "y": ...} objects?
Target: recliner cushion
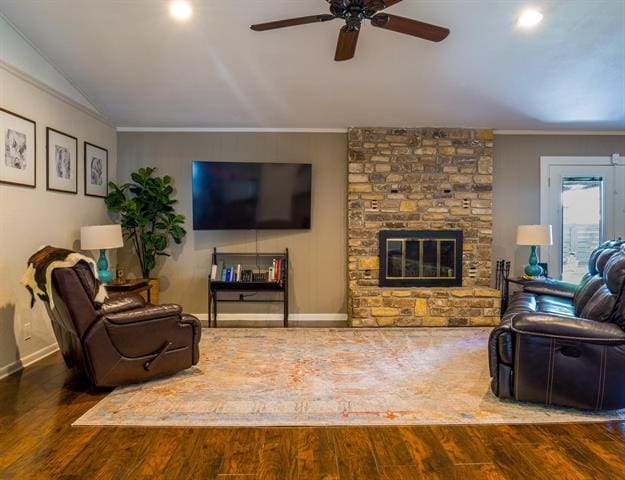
[
  {"x": 555, "y": 309},
  {"x": 599, "y": 307},
  {"x": 586, "y": 293},
  {"x": 580, "y": 286},
  {"x": 614, "y": 273},
  {"x": 603, "y": 258},
  {"x": 592, "y": 260},
  {"x": 552, "y": 299}
]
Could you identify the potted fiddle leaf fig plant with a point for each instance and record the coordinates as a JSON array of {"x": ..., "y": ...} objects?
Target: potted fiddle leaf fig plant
[{"x": 148, "y": 218}]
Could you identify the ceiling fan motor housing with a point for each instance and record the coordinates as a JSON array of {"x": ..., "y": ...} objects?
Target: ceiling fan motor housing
[{"x": 355, "y": 11}]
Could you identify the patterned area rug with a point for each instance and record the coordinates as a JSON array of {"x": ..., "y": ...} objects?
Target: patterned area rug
[{"x": 272, "y": 377}]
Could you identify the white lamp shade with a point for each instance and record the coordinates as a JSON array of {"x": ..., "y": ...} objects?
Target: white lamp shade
[
  {"x": 534, "y": 235},
  {"x": 101, "y": 237}
]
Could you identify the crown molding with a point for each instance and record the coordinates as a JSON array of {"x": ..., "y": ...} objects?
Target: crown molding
[
  {"x": 345, "y": 130},
  {"x": 230, "y": 130},
  {"x": 16, "y": 72},
  {"x": 560, "y": 132}
]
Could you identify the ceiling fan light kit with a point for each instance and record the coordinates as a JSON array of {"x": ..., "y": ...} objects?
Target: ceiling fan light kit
[{"x": 354, "y": 13}]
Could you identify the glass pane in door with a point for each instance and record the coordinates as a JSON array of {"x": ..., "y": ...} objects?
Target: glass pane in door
[{"x": 582, "y": 224}]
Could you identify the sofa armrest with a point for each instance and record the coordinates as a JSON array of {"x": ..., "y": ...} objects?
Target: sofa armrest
[
  {"x": 149, "y": 312},
  {"x": 121, "y": 303},
  {"x": 568, "y": 328},
  {"x": 550, "y": 287}
]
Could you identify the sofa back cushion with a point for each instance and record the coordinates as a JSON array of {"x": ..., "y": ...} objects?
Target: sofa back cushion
[
  {"x": 603, "y": 258},
  {"x": 592, "y": 261},
  {"x": 589, "y": 285},
  {"x": 76, "y": 295},
  {"x": 606, "y": 304},
  {"x": 600, "y": 306},
  {"x": 614, "y": 273},
  {"x": 614, "y": 277},
  {"x": 584, "y": 294}
]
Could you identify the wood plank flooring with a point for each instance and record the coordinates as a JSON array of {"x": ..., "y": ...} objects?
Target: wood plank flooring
[{"x": 38, "y": 405}]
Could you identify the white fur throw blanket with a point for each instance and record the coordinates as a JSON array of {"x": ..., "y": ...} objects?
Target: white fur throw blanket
[{"x": 38, "y": 275}]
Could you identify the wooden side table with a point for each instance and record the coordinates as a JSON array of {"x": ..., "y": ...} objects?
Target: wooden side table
[{"x": 140, "y": 286}]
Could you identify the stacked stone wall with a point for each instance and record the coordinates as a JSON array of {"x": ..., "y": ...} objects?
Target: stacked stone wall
[{"x": 420, "y": 179}]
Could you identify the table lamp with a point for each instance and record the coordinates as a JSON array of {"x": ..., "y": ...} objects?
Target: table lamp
[
  {"x": 534, "y": 235},
  {"x": 102, "y": 237}
]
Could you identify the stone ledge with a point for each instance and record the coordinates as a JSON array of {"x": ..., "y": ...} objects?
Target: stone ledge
[{"x": 427, "y": 307}]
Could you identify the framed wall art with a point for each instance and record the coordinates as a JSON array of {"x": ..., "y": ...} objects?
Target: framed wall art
[
  {"x": 18, "y": 165},
  {"x": 96, "y": 170},
  {"x": 62, "y": 161}
]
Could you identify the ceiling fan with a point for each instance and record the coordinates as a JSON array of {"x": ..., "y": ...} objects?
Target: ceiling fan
[{"x": 354, "y": 12}]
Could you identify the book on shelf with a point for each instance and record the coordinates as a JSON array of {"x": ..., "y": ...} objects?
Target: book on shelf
[{"x": 275, "y": 272}]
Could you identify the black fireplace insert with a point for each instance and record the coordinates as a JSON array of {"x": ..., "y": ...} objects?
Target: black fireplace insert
[{"x": 421, "y": 258}]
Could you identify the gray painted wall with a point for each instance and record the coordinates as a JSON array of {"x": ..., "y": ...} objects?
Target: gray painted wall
[
  {"x": 318, "y": 256},
  {"x": 516, "y": 194}
]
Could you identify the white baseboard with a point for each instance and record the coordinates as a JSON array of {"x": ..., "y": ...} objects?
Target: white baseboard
[
  {"x": 275, "y": 319},
  {"x": 27, "y": 360}
]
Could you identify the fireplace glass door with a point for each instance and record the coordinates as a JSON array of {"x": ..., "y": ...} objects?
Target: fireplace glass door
[{"x": 420, "y": 258}]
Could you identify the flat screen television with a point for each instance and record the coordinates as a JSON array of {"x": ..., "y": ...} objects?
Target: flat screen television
[{"x": 250, "y": 196}]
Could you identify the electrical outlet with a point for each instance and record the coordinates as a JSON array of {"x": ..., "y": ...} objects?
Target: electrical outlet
[{"x": 28, "y": 331}]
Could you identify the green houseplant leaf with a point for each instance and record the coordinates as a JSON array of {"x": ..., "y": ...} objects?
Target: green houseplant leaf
[{"x": 148, "y": 218}]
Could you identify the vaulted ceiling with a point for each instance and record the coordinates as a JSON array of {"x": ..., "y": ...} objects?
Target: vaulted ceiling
[{"x": 143, "y": 69}]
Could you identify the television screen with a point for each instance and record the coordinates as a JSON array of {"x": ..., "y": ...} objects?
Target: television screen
[{"x": 239, "y": 196}]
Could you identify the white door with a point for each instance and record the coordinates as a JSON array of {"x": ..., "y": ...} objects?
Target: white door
[{"x": 583, "y": 201}]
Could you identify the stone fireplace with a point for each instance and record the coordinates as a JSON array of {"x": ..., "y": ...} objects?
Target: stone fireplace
[{"x": 420, "y": 227}]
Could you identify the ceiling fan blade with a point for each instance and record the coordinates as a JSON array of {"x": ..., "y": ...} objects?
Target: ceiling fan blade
[
  {"x": 261, "y": 27},
  {"x": 410, "y": 27},
  {"x": 378, "y": 5},
  {"x": 346, "y": 46}
]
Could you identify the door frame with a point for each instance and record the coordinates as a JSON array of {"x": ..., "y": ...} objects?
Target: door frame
[{"x": 618, "y": 195}]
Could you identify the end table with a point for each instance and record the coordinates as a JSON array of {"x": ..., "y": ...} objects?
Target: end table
[
  {"x": 505, "y": 294},
  {"x": 140, "y": 286}
]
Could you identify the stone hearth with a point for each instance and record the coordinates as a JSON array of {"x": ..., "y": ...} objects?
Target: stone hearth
[{"x": 420, "y": 179}]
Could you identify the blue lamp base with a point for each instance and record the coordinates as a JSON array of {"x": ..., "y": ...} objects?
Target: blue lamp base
[
  {"x": 105, "y": 275},
  {"x": 533, "y": 269}
]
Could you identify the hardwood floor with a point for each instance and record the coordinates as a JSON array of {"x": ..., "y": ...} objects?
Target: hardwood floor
[{"x": 38, "y": 405}]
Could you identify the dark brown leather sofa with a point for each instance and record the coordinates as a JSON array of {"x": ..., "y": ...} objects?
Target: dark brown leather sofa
[
  {"x": 122, "y": 341},
  {"x": 564, "y": 345}
]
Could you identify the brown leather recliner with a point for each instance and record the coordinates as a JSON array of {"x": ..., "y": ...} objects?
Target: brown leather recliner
[
  {"x": 123, "y": 340},
  {"x": 559, "y": 345}
]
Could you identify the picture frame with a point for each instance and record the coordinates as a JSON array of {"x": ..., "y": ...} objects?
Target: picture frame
[
  {"x": 96, "y": 161},
  {"x": 18, "y": 165},
  {"x": 61, "y": 161}
]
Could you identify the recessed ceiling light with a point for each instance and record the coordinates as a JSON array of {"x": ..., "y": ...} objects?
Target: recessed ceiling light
[
  {"x": 180, "y": 10},
  {"x": 529, "y": 18}
]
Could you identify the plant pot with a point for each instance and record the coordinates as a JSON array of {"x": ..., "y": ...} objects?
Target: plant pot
[{"x": 155, "y": 288}]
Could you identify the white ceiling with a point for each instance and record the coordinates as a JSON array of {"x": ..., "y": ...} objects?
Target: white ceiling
[{"x": 142, "y": 69}]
